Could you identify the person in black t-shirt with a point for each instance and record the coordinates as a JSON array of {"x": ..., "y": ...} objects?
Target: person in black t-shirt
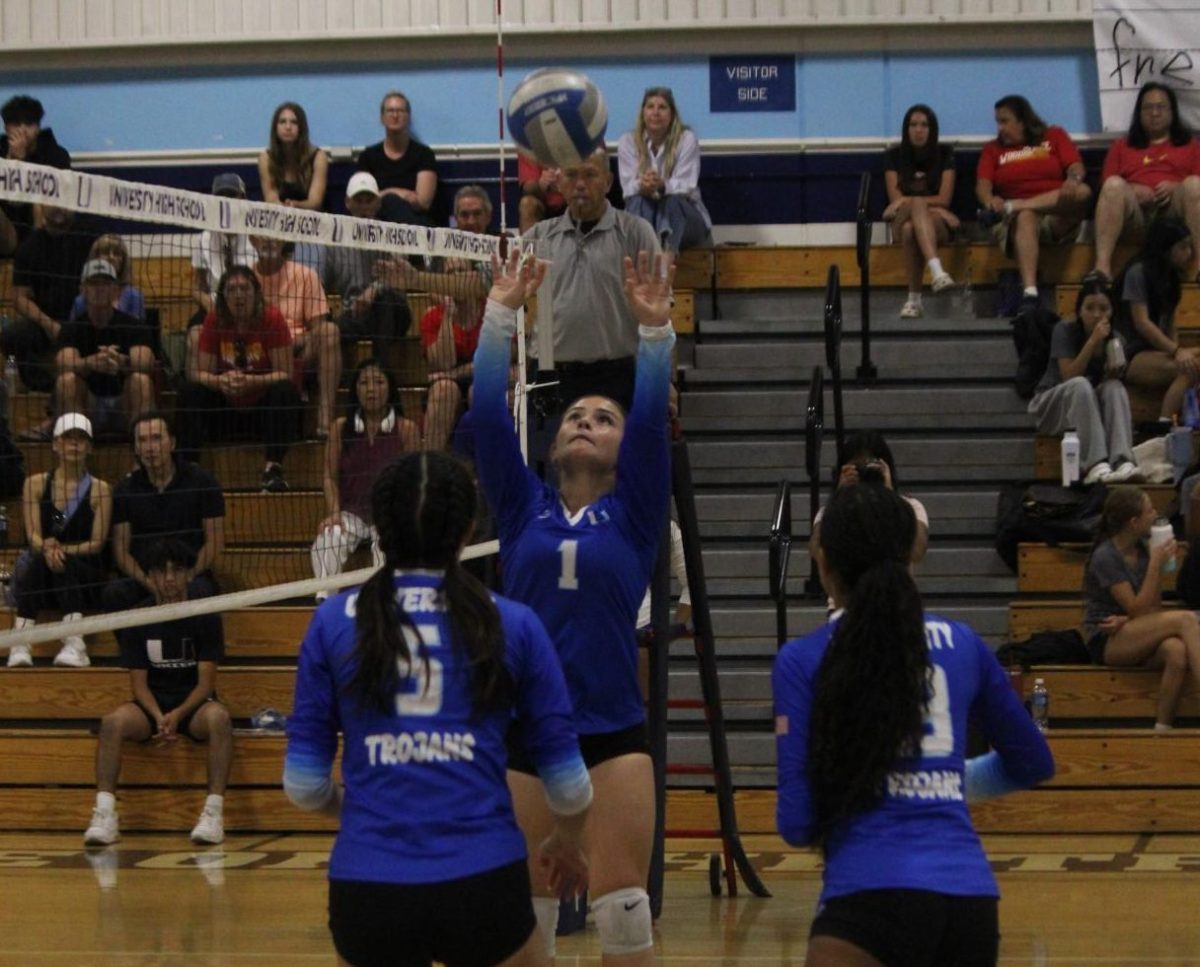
[
  {"x": 25, "y": 139},
  {"x": 105, "y": 357},
  {"x": 46, "y": 272},
  {"x": 165, "y": 497},
  {"x": 172, "y": 674},
  {"x": 404, "y": 168}
]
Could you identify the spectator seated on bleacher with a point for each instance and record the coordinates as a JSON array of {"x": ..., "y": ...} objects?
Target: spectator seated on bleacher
[
  {"x": 1124, "y": 623},
  {"x": 242, "y": 381},
  {"x": 370, "y": 283},
  {"x": 359, "y": 446},
  {"x": 540, "y": 197},
  {"x": 919, "y": 176},
  {"x": 1029, "y": 183},
  {"x": 129, "y": 297},
  {"x": 1080, "y": 390},
  {"x": 1149, "y": 292},
  {"x": 403, "y": 167},
  {"x": 25, "y": 139},
  {"x": 67, "y": 513},
  {"x": 296, "y": 291},
  {"x": 166, "y": 497},
  {"x": 292, "y": 171},
  {"x": 173, "y": 692},
  {"x": 459, "y": 278},
  {"x": 1152, "y": 170},
  {"x": 46, "y": 272},
  {"x": 659, "y": 166},
  {"x": 105, "y": 356},
  {"x": 214, "y": 254}
]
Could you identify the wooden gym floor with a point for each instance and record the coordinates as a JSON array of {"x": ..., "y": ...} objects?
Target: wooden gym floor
[{"x": 1115, "y": 901}]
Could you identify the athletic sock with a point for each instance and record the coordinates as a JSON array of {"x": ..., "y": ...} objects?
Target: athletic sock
[
  {"x": 215, "y": 803},
  {"x": 546, "y": 911},
  {"x": 1030, "y": 290},
  {"x": 935, "y": 267},
  {"x": 106, "y": 802}
]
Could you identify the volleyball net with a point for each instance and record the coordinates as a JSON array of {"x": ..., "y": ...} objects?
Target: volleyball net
[{"x": 327, "y": 293}]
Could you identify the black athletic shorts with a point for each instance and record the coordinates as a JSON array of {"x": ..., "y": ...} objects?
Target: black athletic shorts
[
  {"x": 474, "y": 921},
  {"x": 185, "y": 723},
  {"x": 915, "y": 928},
  {"x": 594, "y": 748}
]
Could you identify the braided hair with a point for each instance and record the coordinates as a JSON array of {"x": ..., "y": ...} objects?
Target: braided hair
[
  {"x": 872, "y": 687},
  {"x": 424, "y": 507}
]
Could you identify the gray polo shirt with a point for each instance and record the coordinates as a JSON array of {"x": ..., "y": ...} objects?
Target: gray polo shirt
[{"x": 587, "y": 281}]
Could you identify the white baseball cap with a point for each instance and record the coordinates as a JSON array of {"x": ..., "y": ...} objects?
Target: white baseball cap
[
  {"x": 362, "y": 183},
  {"x": 98, "y": 269},
  {"x": 72, "y": 421}
]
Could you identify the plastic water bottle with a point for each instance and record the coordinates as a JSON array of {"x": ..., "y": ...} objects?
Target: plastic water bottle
[
  {"x": 12, "y": 382},
  {"x": 1070, "y": 457},
  {"x": 1114, "y": 354},
  {"x": 1039, "y": 705},
  {"x": 1160, "y": 533}
]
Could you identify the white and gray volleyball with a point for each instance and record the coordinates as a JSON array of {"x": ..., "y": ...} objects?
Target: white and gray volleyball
[{"x": 557, "y": 117}]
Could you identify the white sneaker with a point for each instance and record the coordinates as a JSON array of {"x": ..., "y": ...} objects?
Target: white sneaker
[
  {"x": 19, "y": 657},
  {"x": 210, "y": 829},
  {"x": 1101, "y": 471},
  {"x": 73, "y": 653},
  {"x": 912, "y": 310},
  {"x": 104, "y": 830},
  {"x": 942, "y": 282},
  {"x": 1125, "y": 472}
]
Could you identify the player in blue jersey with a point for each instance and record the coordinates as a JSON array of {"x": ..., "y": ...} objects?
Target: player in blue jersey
[
  {"x": 581, "y": 557},
  {"x": 871, "y": 723},
  {"x": 421, "y": 670}
]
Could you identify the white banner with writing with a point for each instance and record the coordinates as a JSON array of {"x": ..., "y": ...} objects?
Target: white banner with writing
[{"x": 1146, "y": 40}]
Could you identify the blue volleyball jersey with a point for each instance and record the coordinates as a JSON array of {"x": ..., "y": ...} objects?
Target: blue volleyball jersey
[
  {"x": 585, "y": 575},
  {"x": 920, "y": 835},
  {"x": 425, "y": 792}
]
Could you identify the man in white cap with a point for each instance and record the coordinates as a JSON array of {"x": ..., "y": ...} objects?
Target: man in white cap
[
  {"x": 67, "y": 518},
  {"x": 105, "y": 357},
  {"x": 374, "y": 303}
]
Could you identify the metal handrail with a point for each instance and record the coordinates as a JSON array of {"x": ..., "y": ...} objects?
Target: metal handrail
[
  {"x": 779, "y": 554},
  {"x": 862, "y": 253},
  {"x": 833, "y": 347},
  {"x": 814, "y": 429}
]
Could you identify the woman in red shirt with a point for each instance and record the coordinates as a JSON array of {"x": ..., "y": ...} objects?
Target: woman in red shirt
[
  {"x": 242, "y": 383},
  {"x": 1153, "y": 170},
  {"x": 1030, "y": 186}
]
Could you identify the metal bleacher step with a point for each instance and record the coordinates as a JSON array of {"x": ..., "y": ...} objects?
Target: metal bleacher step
[{"x": 715, "y": 408}]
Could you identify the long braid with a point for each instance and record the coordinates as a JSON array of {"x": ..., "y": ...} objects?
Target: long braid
[
  {"x": 872, "y": 686},
  {"x": 424, "y": 506}
]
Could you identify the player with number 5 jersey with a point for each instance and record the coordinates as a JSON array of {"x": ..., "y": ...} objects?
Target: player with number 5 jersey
[
  {"x": 871, "y": 717},
  {"x": 421, "y": 670},
  {"x": 581, "y": 556}
]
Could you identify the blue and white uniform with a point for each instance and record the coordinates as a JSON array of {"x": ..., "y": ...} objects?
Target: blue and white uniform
[
  {"x": 584, "y": 574},
  {"x": 920, "y": 835},
  {"x": 425, "y": 793}
]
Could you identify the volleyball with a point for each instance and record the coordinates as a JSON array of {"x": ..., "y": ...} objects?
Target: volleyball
[{"x": 557, "y": 117}]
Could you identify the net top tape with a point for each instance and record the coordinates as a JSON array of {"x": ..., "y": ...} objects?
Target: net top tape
[{"x": 113, "y": 197}]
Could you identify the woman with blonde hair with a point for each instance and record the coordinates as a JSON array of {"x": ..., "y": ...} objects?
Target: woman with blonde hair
[
  {"x": 291, "y": 170},
  {"x": 659, "y": 163}
]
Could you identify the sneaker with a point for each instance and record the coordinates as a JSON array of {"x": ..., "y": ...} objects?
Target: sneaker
[
  {"x": 104, "y": 830},
  {"x": 210, "y": 830},
  {"x": 1101, "y": 471},
  {"x": 942, "y": 282},
  {"x": 104, "y": 865},
  {"x": 272, "y": 480},
  {"x": 19, "y": 657},
  {"x": 1125, "y": 472},
  {"x": 73, "y": 654},
  {"x": 912, "y": 310}
]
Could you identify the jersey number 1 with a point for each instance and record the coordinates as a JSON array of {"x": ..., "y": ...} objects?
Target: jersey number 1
[
  {"x": 939, "y": 741},
  {"x": 567, "y": 580}
]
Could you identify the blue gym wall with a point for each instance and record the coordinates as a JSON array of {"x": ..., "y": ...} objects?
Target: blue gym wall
[{"x": 837, "y": 96}]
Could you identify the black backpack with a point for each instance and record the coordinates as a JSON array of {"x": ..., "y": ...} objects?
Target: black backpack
[
  {"x": 1031, "y": 331},
  {"x": 1064, "y": 647},
  {"x": 1045, "y": 513}
]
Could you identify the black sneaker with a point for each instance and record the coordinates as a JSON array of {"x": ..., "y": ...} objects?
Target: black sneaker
[{"x": 272, "y": 480}]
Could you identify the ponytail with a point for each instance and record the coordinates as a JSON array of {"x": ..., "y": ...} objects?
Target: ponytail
[{"x": 872, "y": 686}]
